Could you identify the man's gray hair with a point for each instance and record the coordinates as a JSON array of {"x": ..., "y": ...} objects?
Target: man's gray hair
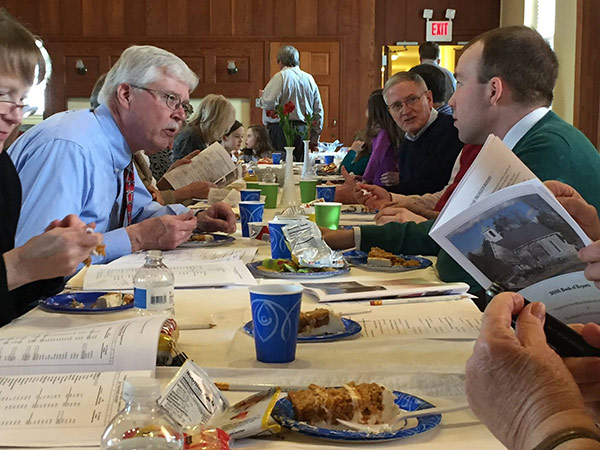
[
  {"x": 401, "y": 77},
  {"x": 288, "y": 56},
  {"x": 142, "y": 65}
]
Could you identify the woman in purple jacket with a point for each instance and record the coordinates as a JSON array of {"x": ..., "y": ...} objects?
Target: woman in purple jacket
[{"x": 384, "y": 137}]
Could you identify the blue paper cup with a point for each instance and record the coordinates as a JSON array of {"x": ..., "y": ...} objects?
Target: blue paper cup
[
  {"x": 275, "y": 317},
  {"x": 328, "y": 159},
  {"x": 250, "y": 212},
  {"x": 279, "y": 244},
  {"x": 276, "y": 158},
  {"x": 250, "y": 195},
  {"x": 326, "y": 192}
]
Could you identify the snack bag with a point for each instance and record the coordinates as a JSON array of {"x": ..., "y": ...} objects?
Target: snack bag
[
  {"x": 307, "y": 245},
  {"x": 250, "y": 417}
]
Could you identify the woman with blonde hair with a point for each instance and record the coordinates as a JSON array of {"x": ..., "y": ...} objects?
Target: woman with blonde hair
[
  {"x": 65, "y": 243},
  {"x": 210, "y": 123}
]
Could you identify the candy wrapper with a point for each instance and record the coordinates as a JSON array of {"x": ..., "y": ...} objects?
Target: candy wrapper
[
  {"x": 250, "y": 417},
  {"x": 309, "y": 248},
  {"x": 191, "y": 397},
  {"x": 167, "y": 343},
  {"x": 210, "y": 439}
]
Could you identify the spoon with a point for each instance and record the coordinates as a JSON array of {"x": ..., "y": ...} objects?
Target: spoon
[{"x": 402, "y": 416}]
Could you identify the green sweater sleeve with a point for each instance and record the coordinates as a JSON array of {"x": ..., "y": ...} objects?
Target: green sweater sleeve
[{"x": 412, "y": 238}]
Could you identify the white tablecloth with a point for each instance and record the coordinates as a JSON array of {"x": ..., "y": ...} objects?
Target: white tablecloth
[{"x": 430, "y": 368}]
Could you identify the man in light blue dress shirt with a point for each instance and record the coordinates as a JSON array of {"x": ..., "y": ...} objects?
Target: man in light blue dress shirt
[{"x": 74, "y": 162}]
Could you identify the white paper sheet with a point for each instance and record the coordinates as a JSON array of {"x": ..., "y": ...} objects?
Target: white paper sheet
[
  {"x": 211, "y": 164},
  {"x": 120, "y": 345},
  {"x": 59, "y": 410},
  {"x": 187, "y": 256},
  {"x": 458, "y": 319},
  {"x": 105, "y": 277}
]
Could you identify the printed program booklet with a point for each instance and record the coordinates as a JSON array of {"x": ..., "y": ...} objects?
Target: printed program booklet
[
  {"x": 503, "y": 225},
  {"x": 377, "y": 289}
]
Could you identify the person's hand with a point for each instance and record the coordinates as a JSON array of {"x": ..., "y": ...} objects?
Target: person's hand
[
  {"x": 357, "y": 145},
  {"x": 156, "y": 195},
  {"x": 56, "y": 252},
  {"x": 375, "y": 196},
  {"x": 161, "y": 233},
  {"x": 390, "y": 178},
  {"x": 338, "y": 239},
  {"x": 346, "y": 193},
  {"x": 516, "y": 384},
  {"x": 187, "y": 159},
  {"x": 397, "y": 214},
  {"x": 583, "y": 213},
  {"x": 586, "y": 371},
  {"x": 197, "y": 189},
  {"x": 591, "y": 256},
  {"x": 219, "y": 217}
]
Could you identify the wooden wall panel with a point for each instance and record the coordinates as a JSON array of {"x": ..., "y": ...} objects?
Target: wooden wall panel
[
  {"x": 586, "y": 114},
  {"x": 208, "y": 32}
]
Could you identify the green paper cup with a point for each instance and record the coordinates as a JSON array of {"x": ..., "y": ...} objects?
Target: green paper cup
[
  {"x": 270, "y": 191},
  {"x": 252, "y": 185},
  {"x": 308, "y": 190},
  {"x": 328, "y": 214}
]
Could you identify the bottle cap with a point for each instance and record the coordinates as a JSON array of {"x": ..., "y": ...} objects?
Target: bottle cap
[
  {"x": 136, "y": 387},
  {"x": 154, "y": 253}
]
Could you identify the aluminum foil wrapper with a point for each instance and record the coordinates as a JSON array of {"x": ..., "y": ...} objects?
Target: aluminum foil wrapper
[{"x": 308, "y": 246}]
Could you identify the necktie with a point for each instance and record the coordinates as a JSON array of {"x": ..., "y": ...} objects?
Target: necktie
[{"x": 129, "y": 182}]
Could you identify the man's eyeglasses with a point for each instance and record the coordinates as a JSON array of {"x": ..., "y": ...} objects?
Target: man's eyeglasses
[
  {"x": 410, "y": 101},
  {"x": 173, "y": 101},
  {"x": 6, "y": 107}
]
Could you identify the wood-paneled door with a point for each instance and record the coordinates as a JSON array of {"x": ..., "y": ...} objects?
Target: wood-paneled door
[{"x": 322, "y": 61}]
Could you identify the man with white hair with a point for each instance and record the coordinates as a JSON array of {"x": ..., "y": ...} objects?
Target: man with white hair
[
  {"x": 80, "y": 162},
  {"x": 291, "y": 84}
]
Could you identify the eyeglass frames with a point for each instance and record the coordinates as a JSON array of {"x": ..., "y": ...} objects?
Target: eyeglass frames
[
  {"x": 7, "y": 106},
  {"x": 173, "y": 101},
  {"x": 410, "y": 101}
]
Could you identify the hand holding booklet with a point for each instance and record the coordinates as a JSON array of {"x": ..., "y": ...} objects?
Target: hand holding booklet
[
  {"x": 502, "y": 225},
  {"x": 212, "y": 164}
]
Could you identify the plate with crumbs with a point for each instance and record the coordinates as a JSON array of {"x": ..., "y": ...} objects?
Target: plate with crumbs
[
  {"x": 87, "y": 302},
  {"x": 284, "y": 414},
  {"x": 208, "y": 240}
]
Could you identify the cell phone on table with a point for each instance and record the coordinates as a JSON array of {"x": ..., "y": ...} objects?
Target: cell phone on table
[{"x": 563, "y": 339}]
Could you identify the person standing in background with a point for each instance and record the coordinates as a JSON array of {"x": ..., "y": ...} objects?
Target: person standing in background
[
  {"x": 291, "y": 84},
  {"x": 429, "y": 53}
]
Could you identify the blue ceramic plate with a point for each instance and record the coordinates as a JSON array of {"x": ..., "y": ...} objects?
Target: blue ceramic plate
[
  {"x": 351, "y": 326},
  {"x": 283, "y": 413},
  {"x": 218, "y": 240},
  {"x": 358, "y": 258},
  {"x": 62, "y": 303},
  {"x": 256, "y": 271}
]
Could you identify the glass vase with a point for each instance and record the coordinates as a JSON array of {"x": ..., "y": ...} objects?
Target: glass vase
[{"x": 288, "y": 197}]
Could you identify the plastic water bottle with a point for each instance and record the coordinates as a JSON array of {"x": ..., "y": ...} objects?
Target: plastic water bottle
[
  {"x": 143, "y": 423},
  {"x": 154, "y": 287}
]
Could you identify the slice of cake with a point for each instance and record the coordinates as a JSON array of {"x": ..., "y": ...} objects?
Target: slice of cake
[
  {"x": 366, "y": 403},
  {"x": 320, "y": 321}
]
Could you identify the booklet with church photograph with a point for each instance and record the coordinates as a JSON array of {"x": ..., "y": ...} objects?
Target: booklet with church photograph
[{"x": 503, "y": 225}]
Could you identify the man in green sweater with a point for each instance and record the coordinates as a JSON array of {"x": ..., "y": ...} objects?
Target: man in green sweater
[{"x": 505, "y": 78}]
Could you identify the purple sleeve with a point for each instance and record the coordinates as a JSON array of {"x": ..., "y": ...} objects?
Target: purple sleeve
[{"x": 383, "y": 159}]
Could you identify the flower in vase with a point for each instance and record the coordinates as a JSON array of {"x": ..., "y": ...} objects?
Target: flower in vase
[{"x": 283, "y": 114}]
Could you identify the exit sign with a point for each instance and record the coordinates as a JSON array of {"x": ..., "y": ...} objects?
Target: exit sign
[{"x": 438, "y": 30}]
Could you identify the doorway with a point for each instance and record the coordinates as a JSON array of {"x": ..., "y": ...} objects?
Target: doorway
[{"x": 322, "y": 61}]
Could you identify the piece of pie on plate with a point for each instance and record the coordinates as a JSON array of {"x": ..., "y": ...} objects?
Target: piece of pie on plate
[
  {"x": 202, "y": 238},
  {"x": 380, "y": 258},
  {"x": 365, "y": 403},
  {"x": 320, "y": 321}
]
